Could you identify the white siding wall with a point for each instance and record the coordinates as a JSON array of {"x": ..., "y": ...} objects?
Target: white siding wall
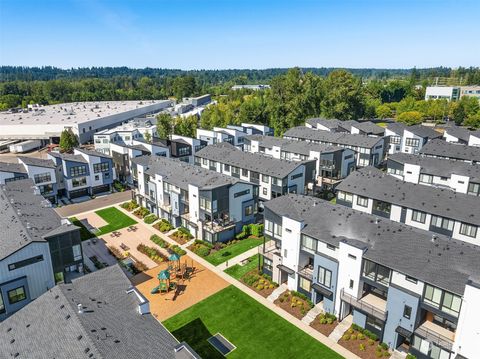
[
  {"x": 425, "y": 226},
  {"x": 468, "y": 331},
  {"x": 411, "y": 173},
  {"x": 291, "y": 246},
  {"x": 367, "y": 209},
  {"x": 193, "y": 202},
  {"x": 456, "y": 234},
  {"x": 399, "y": 279},
  {"x": 348, "y": 269}
]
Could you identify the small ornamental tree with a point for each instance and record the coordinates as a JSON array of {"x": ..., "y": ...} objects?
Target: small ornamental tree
[{"x": 68, "y": 141}]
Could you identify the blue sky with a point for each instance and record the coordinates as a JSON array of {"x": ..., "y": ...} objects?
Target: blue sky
[{"x": 198, "y": 34}]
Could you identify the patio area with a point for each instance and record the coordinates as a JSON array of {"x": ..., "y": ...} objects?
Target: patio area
[{"x": 201, "y": 284}]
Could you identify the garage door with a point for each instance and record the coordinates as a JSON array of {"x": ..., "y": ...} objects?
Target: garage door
[
  {"x": 101, "y": 189},
  {"x": 79, "y": 193}
]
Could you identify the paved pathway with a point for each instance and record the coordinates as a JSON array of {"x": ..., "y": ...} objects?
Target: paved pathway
[
  {"x": 332, "y": 344},
  {"x": 341, "y": 328},
  {"x": 235, "y": 260},
  {"x": 276, "y": 293},
  {"x": 94, "y": 204},
  {"x": 398, "y": 355},
  {"x": 313, "y": 313}
]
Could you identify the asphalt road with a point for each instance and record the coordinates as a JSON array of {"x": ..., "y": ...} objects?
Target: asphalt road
[{"x": 104, "y": 201}]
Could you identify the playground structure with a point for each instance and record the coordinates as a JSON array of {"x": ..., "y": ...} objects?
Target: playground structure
[{"x": 176, "y": 270}]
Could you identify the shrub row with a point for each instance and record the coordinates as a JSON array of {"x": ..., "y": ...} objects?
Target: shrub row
[
  {"x": 149, "y": 219},
  {"x": 130, "y": 205},
  {"x": 365, "y": 332},
  {"x": 163, "y": 225},
  {"x": 253, "y": 229},
  {"x": 141, "y": 212},
  {"x": 153, "y": 253}
]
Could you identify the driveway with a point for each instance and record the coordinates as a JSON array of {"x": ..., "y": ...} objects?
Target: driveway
[{"x": 93, "y": 204}]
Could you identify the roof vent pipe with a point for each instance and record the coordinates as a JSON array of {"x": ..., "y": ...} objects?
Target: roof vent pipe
[{"x": 80, "y": 308}]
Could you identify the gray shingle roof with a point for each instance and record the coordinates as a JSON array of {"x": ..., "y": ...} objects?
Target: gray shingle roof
[
  {"x": 109, "y": 327},
  {"x": 439, "y": 166},
  {"x": 293, "y": 146},
  {"x": 440, "y": 148},
  {"x": 182, "y": 174},
  {"x": 331, "y": 123},
  {"x": 423, "y": 131},
  {"x": 25, "y": 217},
  {"x": 226, "y": 153},
  {"x": 69, "y": 157},
  {"x": 373, "y": 183},
  {"x": 443, "y": 262},
  {"x": 345, "y": 139},
  {"x": 458, "y": 132},
  {"x": 38, "y": 162},
  {"x": 369, "y": 128},
  {"x": 92, "y": 153},
  {"x": 397, "y": 127},
  {"x": 12, "y": 167},
  {"x": 347, "y": 124}
]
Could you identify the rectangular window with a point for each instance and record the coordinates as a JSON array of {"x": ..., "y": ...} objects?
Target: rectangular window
[
  {"x": 443, "y": 223},
  {"x": 264, "y": 191},
  {"x": 411, "y": 279},
  {"x": 235, "y": 171},
  {"x": 101, "y": 167},
  {"x": 324, "y": 277},
  {"x": 309, "y": 243},
  {"x": 418, "y": 216},
  {"x": 426, "y": 179},
  {"x": 381, "y": 206},
  {"x": 205, "y": 204},
  {"x": 226, "y": 168},
  {"x": 265, "y": 179},
  {"x": 248, "y": 211},
  {"x": 278, "y": 230},
  {"x": 204, "y": 161},
  {"x": 78, "y": 182},
  {"x": 395, "y": 171},
  {"x": 298, "y": 175},
  {"x": 468, "y": 230},
  {"x": 451, "y": 304},
  {"x": 42, "y": 177},
  {"x": 2, "y": 304},
  {"x": 362, "y": 201},
  {"x": 412, "y": 142},
  {"x": 77, "y": 253},
  {"x": 344, "y": 196},
  {"x": 331, "y": 247},
  {"x": 244, "y": 172},
  {"x": 268, "y": 226},
  {"x": 16, "y": 295},
  {"x": 78, "y": 171},
  {"x": 351, "y": 256},
  {"x": 473, "y": 189},
  {"x": 25, "y": 262},
  {"x": 305, "y": 284},
  {"x": 432, "y": 296},
  {"x": 350, "y": 285},
  {"x": 407, "y": 312},
  {"x": 242, "y": 193}
]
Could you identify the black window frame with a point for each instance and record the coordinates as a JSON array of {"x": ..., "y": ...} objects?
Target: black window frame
[
  {"x": 42, "y": 177},
  {"x": 407, "y": 311},
  {"x": 101, "y": 167},
  {"x": 77, "y": 171},
  {"x": 17, "y": 300}
]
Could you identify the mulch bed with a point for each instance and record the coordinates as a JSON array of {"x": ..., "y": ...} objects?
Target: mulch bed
[
  {"x": 286, "y": 305},
  {"x": 179, "y": 240},
  {"x": 325, "y": 329},
  {"x": 266, "y": 290},
  {"x": 370, "y": 351}
]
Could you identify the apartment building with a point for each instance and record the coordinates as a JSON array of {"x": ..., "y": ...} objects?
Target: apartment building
[
  {"x": 450, "y": 93},
  {"x": 453, "y": 151},
  {"x": 37, "y": 247},
  {"x": 441, "y": 211},
  {"x": 126, "y": 133},
  {"x": 417, "y": 136},
  {"x": 213, "y": 206},
  {"x": 275, "y": 177},
  {"x": 83, "y": 173},
  {"x": 411, "y": 289},
  {"x": 97, "y": 316},
  {"x": 370, "y": 150},
  {"x": 459, "y": 176},
  {"x": 333, "y": 163}
]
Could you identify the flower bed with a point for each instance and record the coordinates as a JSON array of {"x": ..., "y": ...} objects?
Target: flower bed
[
  {"x": 325, "y": 323},
  {"x": 141, "y": 212},
  {"x": 163, "y": 226},
  {"x": 152, "y": 253},
  {"x": 159, "y": 241},
  {"x": 172, "y": 248},
  {"x": 149, "y": 219},
  {"x": 295, "y": 303},
  {"x": 261, "y": 283},
  {"x": 181, "y": 235},
  {"x": 363, "y": 343},
  {"x": 130, "y": 205}
]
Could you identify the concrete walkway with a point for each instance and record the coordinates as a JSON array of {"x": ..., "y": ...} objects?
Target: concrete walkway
[
  {"x": 94, "y": 204},
  {"x": 332, "y": 344},
  {"x": 313, "y": 313},
  {"x": 236, "y": 260},
  {"x": 276, "y": 293},
  {"x": 341, "y": 328}
]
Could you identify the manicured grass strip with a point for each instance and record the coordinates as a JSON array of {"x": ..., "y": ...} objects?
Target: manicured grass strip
[
  {"x": 238, "y": 271},
  {"x": 233, "y": 250},
  {"x": 255, "y": 330},
  {"x": 115, "y": 218},
  {"x": 85, "y": 234}
]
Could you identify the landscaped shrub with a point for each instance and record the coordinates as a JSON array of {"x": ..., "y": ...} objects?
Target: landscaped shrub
[
  {"x": 159, "y": 241},
  {"x": 140, "y": 266},
  {"x": 386, "y": 354},
  {"x": 152, "y": 253},
  {"x": 117, "y": 253},
  {"x": 163, "y": 225},
  {"x": 361, "y": 347},
  {"x": 202, "y": 251},
  {"x": 371, "y": 342},
  {"x": 150, "y": 218},
  {"x": 250, "y": 279},
  {"x": 346, "y": 337},
  {"x": 256, "y": 229},
  {"x": 360, "y": 336},
  {"x": 384, "y": 346},
  {"x": 378, "y": 354},
  {"x": 119, "y": 187},
  {"x": 183, "y": 234},
  {"x": 410, "y": 356},
  {"x": 177, "y": 249},
  {"x": 350, "y": 331},
  {"x": 130, "y": 205},
  {"x": 141, "y": 212},
  {"x": 260, "y": 287},
  {"x": 353, "y": 337},
  {"x": 241, "y": 235}
]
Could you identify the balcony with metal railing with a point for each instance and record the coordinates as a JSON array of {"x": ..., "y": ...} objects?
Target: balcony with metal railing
[
  {"x": 436, "y": 334},
  {"x": 369, "y": 304},
  {"x": 307, "y": 272},
  {"x": 269, "y": 249}
]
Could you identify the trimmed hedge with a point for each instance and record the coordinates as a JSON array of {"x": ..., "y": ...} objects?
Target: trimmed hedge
[{"x": 150, "y": 218}]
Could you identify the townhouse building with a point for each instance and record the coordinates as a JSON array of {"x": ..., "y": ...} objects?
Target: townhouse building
[
  {"x": 459, "y": 176},
  {"x": 323, "y": 124},
  {"x": 367, "y": 128},
  {"x": 413, "y": 290},
  {"x": 254, "y": 129},
  {"x": 233, "y": 134},
  {"x": 37, "y": 247},
  {"x": 275, "y": 177},
  {"x": 333, "y": 163},
  {"x": 83, "y": 173},
  {"x": 457, "y": 152},
  {"x": 474, "y": 139},
  {"x": 213, "y": 206},
  {"x": 97, "y": 316},
  {"x": 394, "y": 131},
  {"x": 457, "y": 134},
  {"x": 415, "y": 137},
  {"x": 370, "y": 150},
  {"x": 44, "y": 174},
  {"x": 438, "y": 210}
]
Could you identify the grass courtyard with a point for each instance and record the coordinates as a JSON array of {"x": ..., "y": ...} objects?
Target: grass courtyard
[
  {"x": 85, "y": 234},
  {"x": 238, "y": 271},
  {"x": 256, "y": 331},
  {"x": 115, "y": 219},
  {"x": 233, "y": 250}
]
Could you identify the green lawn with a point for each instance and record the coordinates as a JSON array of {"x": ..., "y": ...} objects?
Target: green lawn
[
  {"x": 238, "y": 271},
  {"x": 233, "y": 250},
  {"x": 116, "y": 220},
  {"x": 255, "y": 330},
  {"x": 84, "y": 232}
]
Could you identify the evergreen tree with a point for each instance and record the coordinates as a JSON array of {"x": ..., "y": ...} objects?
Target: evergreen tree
[{"x": 68, "y": 141}]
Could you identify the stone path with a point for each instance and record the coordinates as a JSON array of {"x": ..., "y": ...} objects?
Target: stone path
[
  {"x": 341, "y": 328},
  {"x": 313, "y": 313},
  {"x": 398, "y": 355},
  {"x": 276, "y": 293}
]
